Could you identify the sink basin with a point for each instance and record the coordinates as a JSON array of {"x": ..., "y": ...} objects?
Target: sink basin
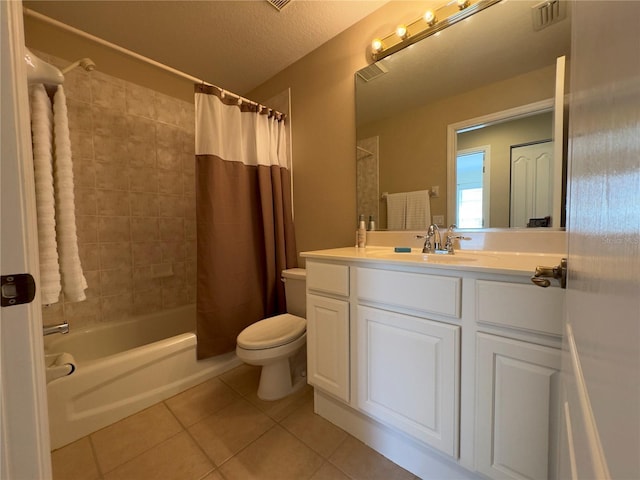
[{"x": 416, "y": 255}]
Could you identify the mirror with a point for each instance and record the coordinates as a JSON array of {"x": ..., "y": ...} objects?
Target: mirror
[{"x": 487, "y": 69}]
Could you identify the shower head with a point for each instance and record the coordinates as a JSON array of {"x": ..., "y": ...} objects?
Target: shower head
[{"x": 85, "y": 63}]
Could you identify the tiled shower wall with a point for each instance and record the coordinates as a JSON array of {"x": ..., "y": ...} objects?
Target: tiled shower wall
[{"x": 134, "y": 166}]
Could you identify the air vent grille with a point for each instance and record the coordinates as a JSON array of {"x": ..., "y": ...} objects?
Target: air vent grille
[
  {"x": 548, "y": 13},
  {"x": 372, "y": 71},
  {"x": 278, "y": 4}
]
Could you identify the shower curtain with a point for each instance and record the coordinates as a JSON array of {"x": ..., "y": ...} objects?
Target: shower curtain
[{"x": 245, "y": 235}]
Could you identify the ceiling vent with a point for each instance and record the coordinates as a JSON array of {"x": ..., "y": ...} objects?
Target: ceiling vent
[
  {"x": 278, "y": 4},
  {"x": 372, "y": 71},
  {"x": 548, "y": 13}
]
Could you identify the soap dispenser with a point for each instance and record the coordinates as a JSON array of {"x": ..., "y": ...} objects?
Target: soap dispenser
[{"x": 361, "y": 233}]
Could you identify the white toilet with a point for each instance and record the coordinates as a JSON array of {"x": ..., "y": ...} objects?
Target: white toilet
[{"x": 277, "y": 343}]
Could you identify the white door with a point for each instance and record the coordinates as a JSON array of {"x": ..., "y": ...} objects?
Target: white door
[
  {"x": 531, "y": 182},
  {"x": 601, "y": 363},
  {"x": 24, "y": 431}
]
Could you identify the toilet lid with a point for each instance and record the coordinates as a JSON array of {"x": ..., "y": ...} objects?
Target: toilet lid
[{"x": 272, "y": 332}]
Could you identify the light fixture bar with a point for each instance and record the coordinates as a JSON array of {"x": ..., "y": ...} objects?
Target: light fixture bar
[{"x": 445, "y": 16}]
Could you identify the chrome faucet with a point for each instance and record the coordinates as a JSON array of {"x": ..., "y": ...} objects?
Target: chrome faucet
[
  {"x": 451, "y": 236},
  {"x": 433, "y": 240},
  {"x": 432, "y": 232},
  {"x": 62, "y": 328}
]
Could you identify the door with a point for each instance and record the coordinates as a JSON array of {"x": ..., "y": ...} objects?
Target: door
[
  {"x": 328, "y": 345},
  {"x": 601, "y": 358},
  {"x": 408, "y": 375},
  {"x": 517, "y": 408},
  {"x": 531, "y": 182},
  {"x": 24, "y": 431}
]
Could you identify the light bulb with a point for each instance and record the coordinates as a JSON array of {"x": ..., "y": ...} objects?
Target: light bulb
[
  {"x": 401, "y": 32},
  {"x": 430, "y": 18},
  {"x": 376, "y": 45}
]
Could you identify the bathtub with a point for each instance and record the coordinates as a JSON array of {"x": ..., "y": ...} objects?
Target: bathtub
[{"x": 124, "y": 367}]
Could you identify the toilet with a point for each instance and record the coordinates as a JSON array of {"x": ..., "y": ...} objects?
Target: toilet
[{"x": 278, "y": 343}]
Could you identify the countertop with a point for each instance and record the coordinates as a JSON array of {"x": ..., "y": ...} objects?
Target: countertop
[{"x": 498, "y": 262}]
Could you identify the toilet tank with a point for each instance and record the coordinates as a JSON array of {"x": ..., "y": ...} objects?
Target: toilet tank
[{"x": 295, "y": 283}]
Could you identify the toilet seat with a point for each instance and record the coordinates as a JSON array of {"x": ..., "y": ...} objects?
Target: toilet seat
[{"x": 272, "y": 332}]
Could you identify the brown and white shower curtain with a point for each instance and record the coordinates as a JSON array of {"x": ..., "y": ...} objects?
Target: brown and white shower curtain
[{"x": 244, "y": 217}]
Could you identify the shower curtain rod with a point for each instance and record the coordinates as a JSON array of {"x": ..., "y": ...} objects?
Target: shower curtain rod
[{"x": 137, "y": 56}]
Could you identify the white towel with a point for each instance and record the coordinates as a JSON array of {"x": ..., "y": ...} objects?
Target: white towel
[
  {"x": 41, "y": 129},
  {"x": 418, "y": 210},
  {"x": 59, "y": 365},
  {"x": 396, "y": 211},
  {"x": 73, "y": 281}
]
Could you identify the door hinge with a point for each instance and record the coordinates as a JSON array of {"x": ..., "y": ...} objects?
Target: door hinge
[{"x": 17, "y": 289}]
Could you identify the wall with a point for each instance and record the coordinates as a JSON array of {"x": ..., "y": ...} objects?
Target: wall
[{"x": 135, "y": 197}]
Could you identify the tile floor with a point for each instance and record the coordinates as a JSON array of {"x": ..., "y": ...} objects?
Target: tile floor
[{"x": 221, "y": 430}]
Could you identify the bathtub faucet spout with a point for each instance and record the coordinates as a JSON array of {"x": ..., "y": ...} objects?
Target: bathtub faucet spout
[{"x": 62, "y": 328}]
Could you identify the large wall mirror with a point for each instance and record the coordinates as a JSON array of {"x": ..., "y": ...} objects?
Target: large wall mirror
[{"x": 459, "y": 114}]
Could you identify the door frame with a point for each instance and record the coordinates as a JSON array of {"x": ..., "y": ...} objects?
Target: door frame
[{"x": 24, "y": 423}]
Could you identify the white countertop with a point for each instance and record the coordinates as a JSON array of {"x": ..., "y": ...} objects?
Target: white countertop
[{"x": 468, "y": 260}]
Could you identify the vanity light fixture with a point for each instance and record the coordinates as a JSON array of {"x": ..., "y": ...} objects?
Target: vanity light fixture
[{"x": 430, "y": 23}]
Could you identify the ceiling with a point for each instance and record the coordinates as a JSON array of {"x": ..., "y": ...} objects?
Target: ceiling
[{"x": 236, "y": 45}]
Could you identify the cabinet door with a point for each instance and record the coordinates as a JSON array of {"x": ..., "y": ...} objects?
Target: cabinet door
[
  {"x": 408, "y": 375},
  {"x": 328, "y": 345},
  {"x": 516, "y": 408}
]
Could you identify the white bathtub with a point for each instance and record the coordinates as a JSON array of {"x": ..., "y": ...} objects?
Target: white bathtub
[{"x": 124, "y": 367}]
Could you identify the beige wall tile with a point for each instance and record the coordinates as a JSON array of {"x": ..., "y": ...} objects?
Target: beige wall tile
[
  {"x": 116, "y": 282},
  {"x": 146, "y": 253},
  {"x": 147, "y": 301},
  {"x": 189, "y": 181},
  {"x": 52, "y": 314},
  {"x": 116, "y": 307},
  {"x": 89, "y": 256},
  {"x": 80, "y": 314},
  {"x": 114, "y": 229},
  {"x": 173, "y": 252},
  {"x": 143, "y": 179},
  {"x": 140, "y": 101},
  {"x": 80, "y": 114},
  {"x": 171, "y": 206},
  {"x": 115, "y": 255},
  {"x": 141, "y": 154},
  {"x": 84, "y": 172},
  {"x": 144, "y": 229},
  {"x": 172, "y": 229},
  {"x": 174, "y": 296},
  {"x": 108, "y": 91},
  {"x": 87, "y": 228},
  {"x": 144, "y": 279},
  {"x": 112, "y": 202},
  {"x": 169, "y": 182},
  {"x": 111, "y": 176},
  {"x": 169, "y": 158},
  {"x": 81, "y": 144},
  {"x": 144, "y": 204},
  {"x": 86, "y": 201},
  {"x": 109, "y": 149}
]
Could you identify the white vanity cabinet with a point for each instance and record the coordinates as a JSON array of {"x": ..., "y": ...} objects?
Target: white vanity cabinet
[
  {"x": 328, "y": 328},
  {"x": 517, "y": 382},
  {"x": 408, "y": 365},
  {"x": 450, "y": 372}
]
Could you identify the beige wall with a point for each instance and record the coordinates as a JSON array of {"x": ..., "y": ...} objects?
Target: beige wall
[{"x": 134, "y": 189}]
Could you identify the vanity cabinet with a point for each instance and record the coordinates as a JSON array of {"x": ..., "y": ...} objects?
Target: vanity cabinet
[
  {"x": 328, "y": 328},
  {"x": 449, "y": 372},
  {"x": 516, "y": 408},
  {"x": 408, "y": 375},
  {"x": 517, "y": 380}
]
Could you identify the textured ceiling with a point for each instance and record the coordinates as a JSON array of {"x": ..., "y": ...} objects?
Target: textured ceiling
[{"x": 236, "y": 45}]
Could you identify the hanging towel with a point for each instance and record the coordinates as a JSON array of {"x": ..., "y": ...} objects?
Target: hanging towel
[
  {"x": 418, "y": 216},
  {"x": 42, "y": 130},
  {"x": 396, "y": 211},
  {"x": 73, "y": 281}
]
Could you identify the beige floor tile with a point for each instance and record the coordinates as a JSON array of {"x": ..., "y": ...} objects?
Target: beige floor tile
[
  {"x": 363, "y": 463},
  {"x": 243, "y": 379},
  {"x": 280, "y": 409},
  {"x": 229, "y": 430},
  {"x": 124, "y": 440},
  {"x": 213, "y": 476},
  {"x": 318, "y": 433},
  {"x": 329, "y": 472},
  {"x": 201, "y": 401},
  {"x": 277, "y": 455},
  {"x": 75, "y": 462},
  {"x": 178, "y": 458}
]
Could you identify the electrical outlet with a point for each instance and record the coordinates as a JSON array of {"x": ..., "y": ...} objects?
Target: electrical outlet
[
  {"x": 438, "y": 219},
  {"x": 435, "y": 191}
]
